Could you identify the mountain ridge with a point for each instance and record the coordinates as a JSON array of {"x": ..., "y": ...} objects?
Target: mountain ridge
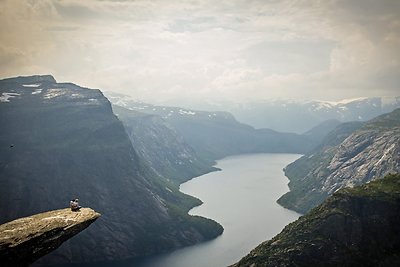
[
  {"x": 357, "y": 154},
  {"x": 62, "y": 141},
  {"x": 300, "y": 116},
  {"x": 354, "y": 227},
  {"x": 214, "y": 135},
  {"x": 162, "y": 146}
]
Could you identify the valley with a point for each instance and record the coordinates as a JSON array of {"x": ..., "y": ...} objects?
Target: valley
[
  {"x": 153, "y": 133},
  {"x": 128, "y": 160}
]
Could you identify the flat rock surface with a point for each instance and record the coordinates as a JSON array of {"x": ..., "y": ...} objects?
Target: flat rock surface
[{"x": 24, "y": 240}]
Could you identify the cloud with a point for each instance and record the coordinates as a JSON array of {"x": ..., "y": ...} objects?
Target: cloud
[
  {"x": 71, "y": 10},
  {"x": 165, "y": 50}
]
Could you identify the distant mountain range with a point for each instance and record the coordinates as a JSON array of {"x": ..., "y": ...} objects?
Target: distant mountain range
[
  {"x": 60, "y": 141},
  {"x": 356, "y": 224},
  {"x": 352, "y": 154},
  {"x": 214, "y": 135},
  {"x": 298, "y": 116}
]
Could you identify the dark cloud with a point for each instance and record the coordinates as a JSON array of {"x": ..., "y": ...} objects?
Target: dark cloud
[
  {"x": 75, "y": 10},
  {"x": 365, "y": 8}
]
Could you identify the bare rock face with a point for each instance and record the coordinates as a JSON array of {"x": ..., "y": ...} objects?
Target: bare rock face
[
  {"x": 357, "y": 226},
  {"x": 362, "y": 157},
  {"x": 25, "y": 240},
  {"x": 59, "y": 140},
  {"x": 348, "y": 160}
]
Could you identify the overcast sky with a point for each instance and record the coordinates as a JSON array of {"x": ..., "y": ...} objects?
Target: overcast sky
[{"x": 209, "y": 50}]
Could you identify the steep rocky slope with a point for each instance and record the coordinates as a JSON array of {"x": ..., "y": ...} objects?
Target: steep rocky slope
[
  {"x": 345, "y": 158},
  {"x": 320, "y": 131},
  {"x": 355, "y": 227},
  {"x": 60, "y": 141},
  {"x": 214, "y": 135},
  {"x": 25, "y": 240},
  {"x": 161, "y": 146}
]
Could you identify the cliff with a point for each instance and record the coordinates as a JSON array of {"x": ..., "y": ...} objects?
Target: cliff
[
  {"x": 25, "y": 240},
  {"x": 59, "y": 140},
  {"x": 163, "y": 148},
  {"x": 350, "y": 156},
  {"x": 355, "y": 227},
  {"x": 214, "y": 135}
]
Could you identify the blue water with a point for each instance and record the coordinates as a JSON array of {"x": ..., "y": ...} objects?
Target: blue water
[{"x": 242, "y": 198}]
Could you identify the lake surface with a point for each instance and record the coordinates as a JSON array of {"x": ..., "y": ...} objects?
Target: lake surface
[{"x": 242, "y": 198}]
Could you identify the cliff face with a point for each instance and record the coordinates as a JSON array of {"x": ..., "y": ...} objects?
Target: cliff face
[
  {"x": 61, "y": 141},
  {"x": 164, "y": 149},
  {"x": 25, "y": 240},
  {"x": 355, "y": 227},
  {"x": 370, "y": 152},
  {"x": 214, "y": 135}
]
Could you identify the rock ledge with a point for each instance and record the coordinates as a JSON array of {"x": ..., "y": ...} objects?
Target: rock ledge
[{"x": 25, "y": 240}]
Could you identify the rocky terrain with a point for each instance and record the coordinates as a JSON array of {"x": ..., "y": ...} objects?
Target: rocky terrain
[
  {"x": 351, "y": 155},
  {"x": 60, "y": 141},
  {"x": 25, "y": 240},
  {"x": 214, "y": 135},
  {"x": 163, "y": 148},
  {"x": 357, "y": 226}
]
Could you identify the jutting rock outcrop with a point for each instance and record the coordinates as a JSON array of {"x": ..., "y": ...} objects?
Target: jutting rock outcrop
[
  {"x": 25, "y": 240},
  {"x": 60, "y": 140}
]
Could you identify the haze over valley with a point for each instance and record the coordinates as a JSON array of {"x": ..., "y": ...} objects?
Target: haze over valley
[{"x": 194, "y": 133}]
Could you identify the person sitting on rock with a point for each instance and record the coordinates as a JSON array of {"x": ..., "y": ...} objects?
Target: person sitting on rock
[{"x": 74, "y": 205}]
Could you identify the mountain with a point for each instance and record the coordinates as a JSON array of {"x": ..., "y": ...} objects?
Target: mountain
[
  {"x": 320, "y": 131},
  {"x": 355, "y": 227},
  {"x": 25, "y": 240},
  {"x": 60, "y": 141},
  {"x": 214, "y": 135},
  {"x": 299, "y": 116},
  {"x": 164, "y": 149},
  {"x": 352, "y": 154}
]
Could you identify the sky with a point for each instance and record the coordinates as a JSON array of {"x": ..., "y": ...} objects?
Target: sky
[{"x": 170, "y": 51}]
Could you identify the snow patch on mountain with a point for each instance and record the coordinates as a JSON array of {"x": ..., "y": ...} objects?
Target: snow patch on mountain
[
  {"x": 52, "y": 93},
  {"x": 33, "y": 85},
  {"x": 345, "y": 101},
  {"x": 37, "y": 91},
  {"x": 5, "y": 97},
  {"x": 186, "y": 112}
]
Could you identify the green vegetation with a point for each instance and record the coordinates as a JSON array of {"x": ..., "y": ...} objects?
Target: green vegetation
[
  {"x": 304, "y": 175},
  {"x": 387, "y": 189},
  {"x": 384, "y": 121},
  {"x": 214, "y": 135},
  {"x": 206, "y": 227},
  {"x": 350, "y": 147},
  {"x": 164, "y": 150},
  {"x": 65, "y": 142},
  {"x": 354, "y": 227}
]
